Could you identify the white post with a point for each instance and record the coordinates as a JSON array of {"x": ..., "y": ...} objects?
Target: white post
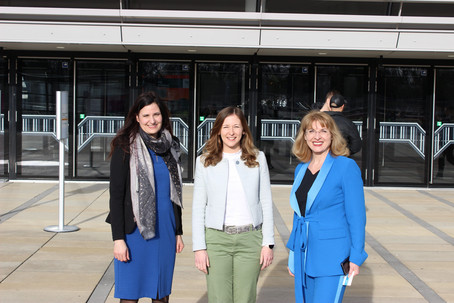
[{"x": 62, "y": 135}]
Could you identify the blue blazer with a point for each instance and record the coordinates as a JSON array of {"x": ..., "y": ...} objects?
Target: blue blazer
[{"x": 335, "y": 221}]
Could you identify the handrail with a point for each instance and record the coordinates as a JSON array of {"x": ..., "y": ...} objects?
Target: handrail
[
  {"x": 404, "y": 132},
  {"x": 272, "y": 129},
  {"x": 203, "y": 133},
  {"x": 443, "y": 137}
]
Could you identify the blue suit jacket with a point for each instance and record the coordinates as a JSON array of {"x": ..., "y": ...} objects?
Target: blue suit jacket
[{"x": 335, "y": 221}]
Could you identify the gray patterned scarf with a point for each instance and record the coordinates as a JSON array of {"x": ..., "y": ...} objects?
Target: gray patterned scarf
[{"x": 143, "y": 193}]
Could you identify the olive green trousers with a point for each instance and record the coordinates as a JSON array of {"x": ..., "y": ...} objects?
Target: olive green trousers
[{"x": 234, "y": 266}]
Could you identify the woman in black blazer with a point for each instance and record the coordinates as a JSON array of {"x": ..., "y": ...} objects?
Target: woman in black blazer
[{"x": 145, "y": 202}]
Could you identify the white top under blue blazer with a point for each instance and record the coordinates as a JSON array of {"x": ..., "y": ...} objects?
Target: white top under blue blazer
[
  {"x": 334, "y": 225},
  {"x": 210, "y": 192}
]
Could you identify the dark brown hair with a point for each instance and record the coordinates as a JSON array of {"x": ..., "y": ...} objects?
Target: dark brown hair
[{"x": 131, "y": 126}]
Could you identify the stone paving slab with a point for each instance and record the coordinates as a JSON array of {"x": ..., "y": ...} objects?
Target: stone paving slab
[{"x": 409, "y": 241}]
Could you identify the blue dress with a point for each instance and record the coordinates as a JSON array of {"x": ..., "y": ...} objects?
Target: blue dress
[{"x": 149, "y": 272}]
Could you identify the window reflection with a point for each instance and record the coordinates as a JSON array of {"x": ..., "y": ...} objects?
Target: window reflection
[
  {"x": 402, "y": 100},
  {"x": 3, "y": 115},
  {"x": 285, "y": 96},
  {"x": 443, "y": 154},
  {"x": 102, "y": 101},
  {"x": 37, "y": 146},
  {"x": 170, "y": 80}
]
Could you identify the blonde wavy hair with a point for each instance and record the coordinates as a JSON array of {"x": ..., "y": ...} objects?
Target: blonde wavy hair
[
  {"x": 338, "y": 144},
  {"x": 212, "y": 153}
]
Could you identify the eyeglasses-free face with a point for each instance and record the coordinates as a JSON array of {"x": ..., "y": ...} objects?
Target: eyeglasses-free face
[
  {"x": 150, "y": 119},
  {"x": 318, "y": 138},
  {"x": 231, "y": 134}
]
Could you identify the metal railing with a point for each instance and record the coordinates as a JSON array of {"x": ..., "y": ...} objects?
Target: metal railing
[
  {"x": 404, "y": 132},
  {"x": 107, "y": 126},
  {"x": 203, "y": 133},
  {"x": 97, "y": 126},
  {"x": 443, "y": 137}
]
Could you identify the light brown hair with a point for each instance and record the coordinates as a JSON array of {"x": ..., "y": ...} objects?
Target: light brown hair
[
  {"x": 212, "y": 153},
  {"x": 338, "y": 144}
]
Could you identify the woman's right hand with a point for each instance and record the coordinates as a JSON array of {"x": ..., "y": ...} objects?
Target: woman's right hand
[
  {"x": 290, "y": 272},
  {"x": 121, "y": 251},
  {"x": 201, "y": 260}
]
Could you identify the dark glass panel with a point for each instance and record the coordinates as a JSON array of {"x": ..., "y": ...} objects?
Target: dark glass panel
[
  {"x": 286, "y": 94},
  {"x": 37, "y": 146},
  {"x": 198, "y": 5},
  {"x": 443, "y": 156},
  {"x": 102, "y": 101},
  {"x": 428, "y": 9},
  {"x": 330, "y": 7},
  {"x": 218, "y": 85},
  {"x": 351, "y": 82},
  {"x": 3, "y": 116},
  {"x": 170, "y": 81},
  {"x": 402, "y": 99},
  {"x": 113, "y": 4}
]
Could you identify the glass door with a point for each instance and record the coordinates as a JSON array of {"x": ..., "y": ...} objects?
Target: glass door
[
  {"x": 285, "y": 95},
  {"x": 3, "y": 117},
  {"x": 443, "y": 137},
  {"x": 403, "y": 104},
  {"x": 37, "y": 146},
  {"x": 351, "y": 82},
  {"x": 218, "y": 85},
  {"x": 171, "y": 81},
  {"x": 102, "y": 101}
]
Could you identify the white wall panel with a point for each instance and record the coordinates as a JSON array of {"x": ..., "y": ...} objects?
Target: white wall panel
[
  {"x": 59, "y": 33},
  {"x": 329, "y": 39},
  {"x": 190, "y": 36},
  {"x": 427, "y": 41}
]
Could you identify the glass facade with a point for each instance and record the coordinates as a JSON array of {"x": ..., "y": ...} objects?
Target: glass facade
[
  {"x": 218, "y": 85},
  {"x": 171, "y": 81},
  {"x": 352, "y": 82},
  {"x": 3, "y": 117},
  {"x": 411, "y": 106},
  {"x": 285, "y": 95},
  {"x": 102, "y": 99},
  {"x": 402, "y": 115},
  {"x": 443, "y": 124},
  {"x": 198, "y": 5},
  {"x": 36, "y": 144},
  {"x": 112, "y": 4}
]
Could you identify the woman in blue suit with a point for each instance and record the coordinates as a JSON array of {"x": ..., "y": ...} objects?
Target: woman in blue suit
[{"x": 329, "y": 212}]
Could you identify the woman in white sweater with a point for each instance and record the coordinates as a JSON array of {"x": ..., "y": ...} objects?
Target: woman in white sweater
[{"x": 232, "y": 215}]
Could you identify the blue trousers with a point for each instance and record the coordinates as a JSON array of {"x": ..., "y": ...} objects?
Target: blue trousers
[{"x": 323, "y": 289}]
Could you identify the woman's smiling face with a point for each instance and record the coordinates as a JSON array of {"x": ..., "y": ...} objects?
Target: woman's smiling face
[
  {"x": 231, "y": 134},
  {"x": 318, "y": 138},
  {"x": 150, "y": 119}
]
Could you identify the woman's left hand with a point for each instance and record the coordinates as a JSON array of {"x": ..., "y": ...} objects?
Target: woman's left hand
[
  {"x": 180, "y": 244},
  {"x": 266, "y": 257}
]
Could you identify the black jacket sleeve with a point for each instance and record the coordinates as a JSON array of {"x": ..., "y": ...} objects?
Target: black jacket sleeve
[
  {"x": 120, "y": 195},
  {"x": 178, "y": 221}
]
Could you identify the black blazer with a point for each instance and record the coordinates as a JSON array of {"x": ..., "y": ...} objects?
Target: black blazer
[{"x": 121, "y": 216}]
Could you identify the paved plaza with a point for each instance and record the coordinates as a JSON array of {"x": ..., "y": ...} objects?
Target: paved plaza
[{"x": 409, "y": 239}]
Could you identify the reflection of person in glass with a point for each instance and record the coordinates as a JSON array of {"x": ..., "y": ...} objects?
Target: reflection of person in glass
[
  {"x": 232, "y": 218},
  {"x": 329, "y": 212},
  {"x": 145, "y": 202}
]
